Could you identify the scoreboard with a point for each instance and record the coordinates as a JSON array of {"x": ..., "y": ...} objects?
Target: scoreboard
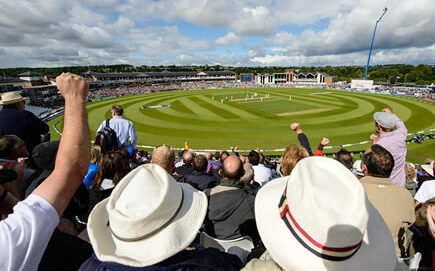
[{"x": 246, "y": 77}]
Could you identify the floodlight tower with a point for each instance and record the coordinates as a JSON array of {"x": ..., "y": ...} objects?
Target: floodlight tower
[{"x": 371, "y": 45}]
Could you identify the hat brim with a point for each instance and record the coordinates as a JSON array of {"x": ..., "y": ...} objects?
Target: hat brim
[
  {"x": 13, "y": 101},
  {"x": 428, "y": 169},
  {"x": 376, "y": 252},
  {"x": 169, "y": 241}
]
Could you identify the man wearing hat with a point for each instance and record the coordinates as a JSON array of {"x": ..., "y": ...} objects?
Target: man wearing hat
[
  {"x": 148, "y": 223},
  {"x": 319, "y": 218},
  {"x": 14, "y": 120},
  {"x": 393, "y": 141}
]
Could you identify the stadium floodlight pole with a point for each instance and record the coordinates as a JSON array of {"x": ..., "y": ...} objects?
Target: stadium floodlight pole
[{"x": 371, "y": 45}]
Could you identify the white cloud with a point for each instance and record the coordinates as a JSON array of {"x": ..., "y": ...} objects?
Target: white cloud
[
  {"x": 228, "y": 39},
  {"x": 271, "y": 32},
  {"x": 256, "y": 51}
]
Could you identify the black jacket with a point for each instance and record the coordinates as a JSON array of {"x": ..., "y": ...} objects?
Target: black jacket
[
  {"x": 23, "y": 124},
  {"x": 203, "y": 180},
  {"x": 185, "y": 170},
  {"x": 230, "y": 212},
  {"x": 200, "y": 259}
]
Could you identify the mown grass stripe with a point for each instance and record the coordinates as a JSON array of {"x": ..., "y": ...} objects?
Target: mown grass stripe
[
  {"x": 229, "y": 107},
  {"x": 200, "y": 109}
]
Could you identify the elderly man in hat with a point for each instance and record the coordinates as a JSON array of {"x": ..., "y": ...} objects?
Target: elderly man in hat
[
  {"x": 393, "y": 141},
  {"x": 148, "y": 223},
  {"x": 319, "y": 218},
  {"x": 14, "y": 120}
]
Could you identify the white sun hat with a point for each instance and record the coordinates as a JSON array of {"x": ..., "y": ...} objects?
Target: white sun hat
[
  {"x": 319, "y": 218},
  {"x": 148, "y": 218},
  {"x": 429, "y": 168},
  {"x": 11, "y": 98}
]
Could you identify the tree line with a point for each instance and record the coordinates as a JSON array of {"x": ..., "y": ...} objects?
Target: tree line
[{"x": 397, "y": 73}]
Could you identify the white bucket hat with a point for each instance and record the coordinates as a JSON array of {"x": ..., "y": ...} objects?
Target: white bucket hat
[
  {"x": 11, "y": 98},
  {"x": 429, "y": 168},
  {"x": 319, "y": 218},
  {"x": 148, "y": 218}
]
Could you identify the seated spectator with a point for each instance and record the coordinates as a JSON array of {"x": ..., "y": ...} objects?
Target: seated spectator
[
  {"x": 13, "y": 148},
  {"x": 426, "y": 192},
  {"x": 262, "y": 174},
  {"x": 345, "y": 158},
  {"x": 248, "y": 178},
  {"x": 429, "y": 169},
  {"x": 291, "y": 156},
  {"x": 186, "y": 169},
  {"x": 164, "y": 156},
  {"x": 356, "y": 169},
  {"x": 425, "y": 173},
  {"x": 322, "y": 234},
  {"x": 95, "y": 159},
  {"x": 211, "y": 167},
  {"x": 11, "y": 173},
  {"x": 199, "y": 176},
  {"x": 149, "y": 223},
  {"x": 411, "y": 178},
  {"x": 394, "y": 203},
  {"x": 34, "y": 219},
  {"x": 114, "y": 166},
  {"x": 221, "y": 157},
  {"x": 230, "y": 212},
  {"x": 44, "y": 156}
]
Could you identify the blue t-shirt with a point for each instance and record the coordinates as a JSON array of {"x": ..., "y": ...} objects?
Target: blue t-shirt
[{"x": 89, "y": 178}]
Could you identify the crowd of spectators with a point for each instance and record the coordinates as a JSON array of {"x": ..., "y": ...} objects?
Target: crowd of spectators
[
  {"x": 120, "y": 90},
  {"x": 77, "y": 207}
]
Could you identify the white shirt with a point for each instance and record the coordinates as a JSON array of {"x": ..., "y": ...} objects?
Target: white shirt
[
  {"x": 262, "y": 174},
  {"x": 25, "y": 233},
  {"x": 426, "y": 191}
]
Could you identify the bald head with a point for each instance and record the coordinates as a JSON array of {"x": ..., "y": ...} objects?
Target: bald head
[
  {"x": 164, "y": 156},
  {"x": 187, "y": 157},
  {"x": 232, "y": 168}
]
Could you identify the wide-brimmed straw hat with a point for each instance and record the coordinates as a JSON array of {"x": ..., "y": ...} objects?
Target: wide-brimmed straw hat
[
  {"x": 319, "y": 218},
  {"x": 11, "y": 98},
  {"x": 148, "y": 218}
]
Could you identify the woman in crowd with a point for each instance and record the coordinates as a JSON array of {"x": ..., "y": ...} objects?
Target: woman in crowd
[
  {"x": 95, "y": 159},
  {"x": 114, "y": 166}
]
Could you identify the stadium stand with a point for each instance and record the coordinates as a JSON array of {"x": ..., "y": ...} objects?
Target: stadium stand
[{"x": 156, "y": 225}]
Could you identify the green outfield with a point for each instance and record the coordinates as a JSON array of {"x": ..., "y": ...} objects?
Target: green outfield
[{"x": 250, "y": 118}]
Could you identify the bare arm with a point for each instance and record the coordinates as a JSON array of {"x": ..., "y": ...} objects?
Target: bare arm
[{"x": 72, "y": 159}]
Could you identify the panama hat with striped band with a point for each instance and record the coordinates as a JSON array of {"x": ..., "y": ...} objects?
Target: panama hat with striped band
[
  {"x": 148, "y": 218},
  {"x": 319, "y": 218}
]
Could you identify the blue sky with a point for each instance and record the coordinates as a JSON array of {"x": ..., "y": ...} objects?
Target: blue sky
[{"x": 233, "y": 33}]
